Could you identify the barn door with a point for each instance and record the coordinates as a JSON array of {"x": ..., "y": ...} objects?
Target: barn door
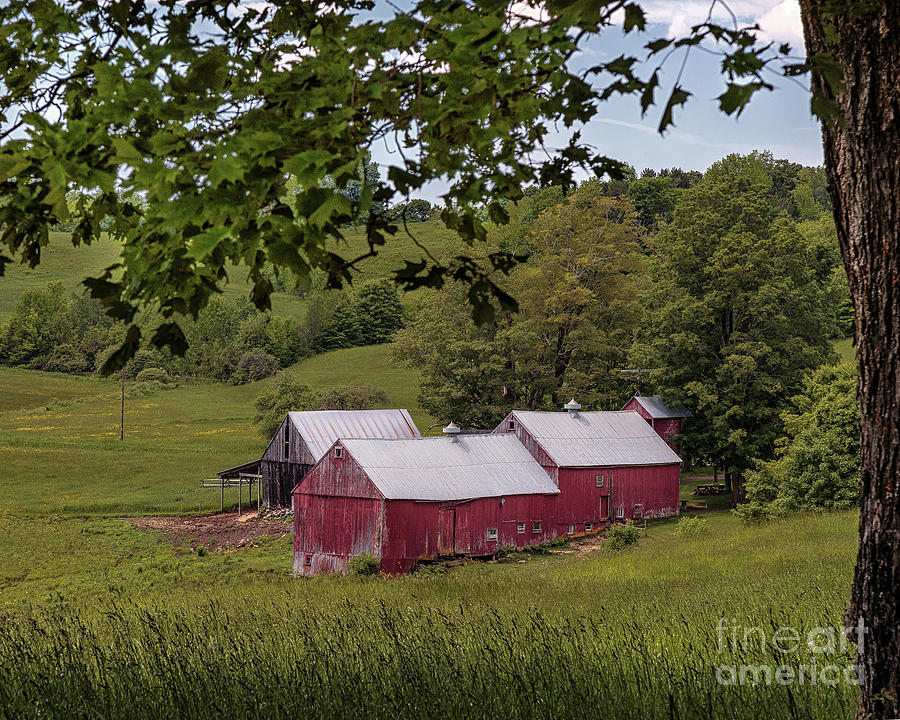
[
  {"x": 604, "y": 507},
  {"x": 447, "y": 532}
]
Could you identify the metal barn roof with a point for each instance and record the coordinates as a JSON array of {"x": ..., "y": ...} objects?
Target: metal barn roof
[
  {"x": 320, "y": 428},
  {"x": 475, "y": 466},
  {"x": 658, "y": 410},
  {"x": 597, "y": 439}
]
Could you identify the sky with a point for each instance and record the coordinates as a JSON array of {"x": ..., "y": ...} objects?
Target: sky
[{"x": 777, "y": 121}]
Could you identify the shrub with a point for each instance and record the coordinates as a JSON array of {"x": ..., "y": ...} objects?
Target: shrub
[
  {"x": 621, "y": 536},
  {"x": 153, "y": 374},
  {"x": 363, "y": 564},
  {"x": 692, "y": 527},
  {"x": 253, "y": 365},
  {"x": 352, "y": 397},
  {"x": 285, "y": 395}
]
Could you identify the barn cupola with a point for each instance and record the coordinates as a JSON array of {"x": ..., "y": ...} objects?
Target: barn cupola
[
  {"x": 452, "y": 431},
  {"x": 572, "y": 407}
]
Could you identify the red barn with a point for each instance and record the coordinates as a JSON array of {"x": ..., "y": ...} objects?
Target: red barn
[
  {"x": 665, "y": 420},
  {"x": 602, "y": 462},
  {"x": 410, "y": 500}
]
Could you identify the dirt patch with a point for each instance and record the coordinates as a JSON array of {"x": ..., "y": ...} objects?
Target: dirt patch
[
  {"x": 214, "y": 532},
  {"x": 582, "y": 546}
]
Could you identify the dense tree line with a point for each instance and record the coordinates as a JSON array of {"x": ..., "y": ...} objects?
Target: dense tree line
[
  {"x": 724, "y": 288},
  {"x": 230, "y": 340}
]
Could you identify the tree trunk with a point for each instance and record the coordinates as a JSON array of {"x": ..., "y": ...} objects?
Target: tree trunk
[{"x": 862, "y": 160}]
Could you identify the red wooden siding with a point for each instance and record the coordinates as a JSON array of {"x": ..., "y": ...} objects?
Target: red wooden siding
[
  {"x": 338, "y": 513},
  {"x": 666, "y": 428},
  {"x": 417, "y": 531},
  {"x": 654, "y": 487}
]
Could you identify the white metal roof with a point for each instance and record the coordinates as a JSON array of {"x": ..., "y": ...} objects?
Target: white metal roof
[
  {"x": 320, "y": 428},
  {"x": 597, "y": 439},
  {"x": 658, "y": 410},
  {"x": 475, "y": 466}
]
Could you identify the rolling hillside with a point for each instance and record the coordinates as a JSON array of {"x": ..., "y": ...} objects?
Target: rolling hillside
[{"x": 61, "y": 261}]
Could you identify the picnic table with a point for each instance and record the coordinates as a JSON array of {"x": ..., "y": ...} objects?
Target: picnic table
[{"x": 710, "y": 489}]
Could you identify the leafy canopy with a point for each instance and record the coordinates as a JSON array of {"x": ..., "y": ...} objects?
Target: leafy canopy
[{"x": 183, "y": 121}]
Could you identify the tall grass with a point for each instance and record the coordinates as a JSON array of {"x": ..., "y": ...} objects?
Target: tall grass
[
  {"x": 377, "y": 661},
  {"x": 628, "y": 634}
]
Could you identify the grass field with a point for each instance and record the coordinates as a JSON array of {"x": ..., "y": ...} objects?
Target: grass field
[
  {"x": 103, "y": 620},
  {"x": 60, "y": 448},
  {"x": 60, "y": 260}
]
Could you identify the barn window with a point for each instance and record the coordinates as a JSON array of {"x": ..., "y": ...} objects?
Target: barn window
[
  {"x": 620, "y": 512},
  {"x": 571, "y": 529},
  {"x": 536, "y": 526},
  {"x": 287, "y": 441},
  {"x": 512, "y": 425},
  {"x": 520, "y": 528},
  {"x": 492, "y": 534},
  {"x": 588, "y": 527},
  {"x": 600, "y": 481},
  {"x": 339, "y": 452},
  {"x": 638, "y": 512},
  {"x": 308, "y": 560}
]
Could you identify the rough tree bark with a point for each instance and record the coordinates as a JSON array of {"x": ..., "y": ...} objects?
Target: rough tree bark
[{"x": 862, "y": 159}]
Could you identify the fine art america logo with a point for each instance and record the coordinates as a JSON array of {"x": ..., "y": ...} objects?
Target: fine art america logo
[{"x": 821, "y": 656}]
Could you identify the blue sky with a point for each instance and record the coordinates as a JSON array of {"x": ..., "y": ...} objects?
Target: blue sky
[{"x": 778, "y": 121}]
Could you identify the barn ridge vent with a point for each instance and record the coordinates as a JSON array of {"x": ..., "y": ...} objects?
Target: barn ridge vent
[
  {"x": 572, "y": 407},
  {"x": 452, "y": 431}
]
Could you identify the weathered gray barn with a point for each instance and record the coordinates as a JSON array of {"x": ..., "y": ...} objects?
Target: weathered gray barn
[{"x": 304, "y": 437}]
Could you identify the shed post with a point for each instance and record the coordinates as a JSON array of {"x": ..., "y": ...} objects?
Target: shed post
[
  {"x": 222, "y": 490},
  {"x": 240, "y": 491}
]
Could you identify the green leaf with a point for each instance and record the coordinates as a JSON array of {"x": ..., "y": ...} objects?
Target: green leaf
[
  {"x": 203, "y": 244},
  {"x": 126, "y": 152},
  {"x": 634, "y": 18},
  {"x": 126, "y": 351},
  {"x": 226, "y": 169},
  {"x": 679, "y": 96},
  {"x": 736, "y": 97}
]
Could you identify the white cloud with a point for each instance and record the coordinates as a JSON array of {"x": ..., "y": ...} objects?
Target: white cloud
[
  {"x": 782, "y": 24},
  {"x": 779, "y": 20}
]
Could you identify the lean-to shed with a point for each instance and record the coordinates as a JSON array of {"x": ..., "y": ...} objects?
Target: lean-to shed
[
  {"x": 304, "y": 437},
  {"x": 607, "y": 465},
  {"x": 667, "y": 421},
  {"x": 410, "y": 500}
]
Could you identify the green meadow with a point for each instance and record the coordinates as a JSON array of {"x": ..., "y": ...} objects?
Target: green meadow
[{"x": 104, "y": 620}]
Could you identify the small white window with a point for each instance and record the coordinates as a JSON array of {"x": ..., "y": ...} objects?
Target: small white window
[
  {"x": 512, "y": 425},
  {"x": 638, "y": 512},
  {"x": 520, "y": 528},
  {"x": 536, "y": 526},
  {"x": 620, "y": 512},
  {"x": 492, "y": 534},
  {"x": 588, "y": 527},
  {"x": 600, "y": 481},
  {"x": 287, "y": 441},
  {"x": 571, "y": 529},
  {"x": 339, "y": 452}
]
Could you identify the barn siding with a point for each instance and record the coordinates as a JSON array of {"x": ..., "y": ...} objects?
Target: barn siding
[
  {"x": 579, "y": 500},
  {"x": 412, "y": 528},
  {"x": 278, "y": 480},
  {"x": 667, "y": 428},
  {"x": 280, "y": 475},
  {"x": 655, "y": 487},
  {"x": 338, "y": 514}
]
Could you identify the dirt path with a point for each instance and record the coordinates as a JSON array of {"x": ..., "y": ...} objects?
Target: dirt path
[{"x": 221, "y": 531}]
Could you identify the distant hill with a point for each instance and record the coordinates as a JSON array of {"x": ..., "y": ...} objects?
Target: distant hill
[{"x": 61, "y": 261}]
